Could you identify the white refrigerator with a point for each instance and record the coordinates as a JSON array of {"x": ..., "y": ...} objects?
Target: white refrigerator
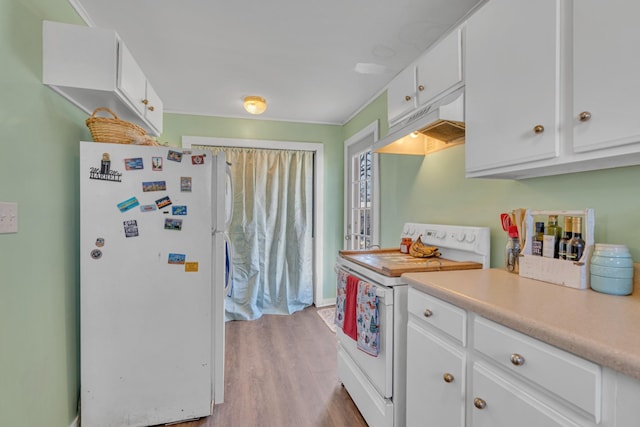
[{"x": 152, "y": 277}]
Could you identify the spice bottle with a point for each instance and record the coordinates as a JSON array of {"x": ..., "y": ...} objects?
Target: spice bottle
[
  {"x": 512, "y": 251},
  {"x": 538, "y": 240}
]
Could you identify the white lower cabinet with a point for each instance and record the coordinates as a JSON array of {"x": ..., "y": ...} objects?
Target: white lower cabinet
[
  {"x": 436, "y": 386},
  {"x": 466, "y": 370}
]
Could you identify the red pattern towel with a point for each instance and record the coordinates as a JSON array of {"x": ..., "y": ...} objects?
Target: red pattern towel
[{"x": 350, "y": 327}]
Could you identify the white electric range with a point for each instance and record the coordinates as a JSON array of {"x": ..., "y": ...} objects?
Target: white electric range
[{"x": 377, "y": 385}]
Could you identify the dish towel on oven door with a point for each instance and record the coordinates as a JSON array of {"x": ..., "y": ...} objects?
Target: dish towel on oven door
[
  {"x": 341, "y": 298},
  {"x": 367, "y": 319}
]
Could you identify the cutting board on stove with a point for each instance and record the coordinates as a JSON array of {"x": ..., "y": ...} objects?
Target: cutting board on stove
[{"x": 392, "y": 262}]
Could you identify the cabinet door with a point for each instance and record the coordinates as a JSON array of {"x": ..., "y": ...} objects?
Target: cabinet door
[
  {"x": 154, "y": 108},
  {"x": 511, "y": 77},
  {"x": 507, "y": 405},
  {"x": 435, "y": 380},
  {"x": 131, "y": 80},
  {"x": 401, "y": 94},
  {"x": 440, "y": 68},
  {"x": 605, "y": 73}
]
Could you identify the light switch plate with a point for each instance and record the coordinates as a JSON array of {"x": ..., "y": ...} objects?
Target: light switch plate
[{"x": 8, "y": 217}]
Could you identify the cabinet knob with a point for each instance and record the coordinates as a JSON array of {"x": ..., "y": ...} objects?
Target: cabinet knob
[
  {"x": 420, "y": 88},
  {"x": 427, "y": 312},
  {"x": 517, "y": 359},
  {"x": 145, "y": 101},
  {"x": 585, "y": 116},
  {"x": 479, "y": 403},
  {"x": 407, "y": 98},
  {"x": 538, "y": 129},
  {"x": 448, "y": 378},
  {"x": 151, "y": 108}
]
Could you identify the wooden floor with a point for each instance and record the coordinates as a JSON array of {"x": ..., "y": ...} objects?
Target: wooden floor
[{"x": 281, "y": 372}]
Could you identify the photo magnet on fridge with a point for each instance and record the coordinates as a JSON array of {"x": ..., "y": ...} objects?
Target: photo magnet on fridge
[
  {"x": 133, "y": 163},
  {"x": 128, "y": 204},
  {"x": 174, "y": 156},
  {"x": 173, "y": 224},
  {"x": 165, "y": 201},
  {"x": 197, "y": 159},
  {"x": 130, "y": 228},
  {"x": 177, "y": 258},
  {"x": 154, "y": 186},
  {"x": 185, "y": 183},
  {"x": 147, "y": 208},
  {"x": 156, "y": 163},
  {"x": 191, "y": 267},
  {"x": 100, "y": 242},
  {"x": 179, "y": 210}
]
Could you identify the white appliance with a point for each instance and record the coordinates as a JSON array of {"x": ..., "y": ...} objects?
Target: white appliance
[
  {"x": 151, "y": 284},
  {"x": 377, "y": 385}
]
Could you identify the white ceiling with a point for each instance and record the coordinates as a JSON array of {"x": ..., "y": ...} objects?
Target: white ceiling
[{"x": 204, "y": 56}]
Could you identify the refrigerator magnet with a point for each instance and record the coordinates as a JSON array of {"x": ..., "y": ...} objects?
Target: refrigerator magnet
[
  {"x": 104, "y": 172},
  {"x": 133, "y": 164},
  {"x": 128, "y": 204},
  {"x": 197, "y": 159},
  {"x": 154, "y": 186},
  {"x": 147, "y": 208},
  {"x": 100, "y": 242},
  {"x": 172, "y": 224},
  {"x": 177, "y": 258},
  {"x": 130, "y": 228},
  {"x": 174, "y": 156},
  {"x": 163, "y": 202},
  {"x": 96, "y": 254},
  {"x": 185, "y": 183},
  {"x": 156, "y": 163},
  {"x": 179, "y": 210},
  {"x": 191, "y": 267}
]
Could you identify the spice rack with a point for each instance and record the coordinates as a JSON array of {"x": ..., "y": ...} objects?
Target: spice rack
[{"x": 574, "y": 274}]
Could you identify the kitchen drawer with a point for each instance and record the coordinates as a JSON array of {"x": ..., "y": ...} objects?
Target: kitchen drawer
[
  {"x": 445, "y": 317},
  {"x": 570, "y": 377}
]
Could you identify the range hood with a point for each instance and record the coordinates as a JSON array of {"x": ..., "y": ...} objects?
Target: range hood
[{"x": 429, "y": 129}]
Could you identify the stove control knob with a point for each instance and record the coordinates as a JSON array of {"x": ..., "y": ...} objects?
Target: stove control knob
[
  {"x": 461, "y": 237},
  {"x": 471, "y": 238},
  {"x": 441, "y": 234}
]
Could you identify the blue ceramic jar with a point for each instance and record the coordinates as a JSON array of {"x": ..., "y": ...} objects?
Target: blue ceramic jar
[{"x": 611, "y": 269}]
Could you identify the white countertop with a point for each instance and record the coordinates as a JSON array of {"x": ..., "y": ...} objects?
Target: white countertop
[{"x": 602, "y": 328}]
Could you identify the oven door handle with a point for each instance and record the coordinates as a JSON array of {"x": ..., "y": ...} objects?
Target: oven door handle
[{"x": 384, "y": 294}]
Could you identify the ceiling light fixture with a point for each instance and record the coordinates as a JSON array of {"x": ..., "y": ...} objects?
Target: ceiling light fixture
[{"x": 255, "y": 104}]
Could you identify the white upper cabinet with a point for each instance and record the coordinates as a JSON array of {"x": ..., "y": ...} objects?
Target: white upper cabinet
[
  {"x": 606, "y": 87},
  {"x": 92, "y": 68},
  {"x": 435, "y": 74},
  {"x": 565, "y": 69},
  {"x": 137, "y": 89},
  {"x": 511, "y": 91}
]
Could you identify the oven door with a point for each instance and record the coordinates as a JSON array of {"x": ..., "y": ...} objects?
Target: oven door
[{"x": 378, "y": 370}]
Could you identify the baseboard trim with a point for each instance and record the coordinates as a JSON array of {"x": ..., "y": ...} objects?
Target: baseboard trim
[
  {"x": 325, "y": 302},
  {"x": 74, "y": 423}
]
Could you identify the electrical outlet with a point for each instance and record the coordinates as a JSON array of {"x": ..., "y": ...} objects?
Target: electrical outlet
[{"x": 8, "y": 217}]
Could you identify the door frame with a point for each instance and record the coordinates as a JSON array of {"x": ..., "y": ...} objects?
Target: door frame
[
  {"x": 370, "y": 130},
  {"x": 318, "y": 194}
]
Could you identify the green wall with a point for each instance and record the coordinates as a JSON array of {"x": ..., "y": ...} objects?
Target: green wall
[{"x": 39, "y": 134}]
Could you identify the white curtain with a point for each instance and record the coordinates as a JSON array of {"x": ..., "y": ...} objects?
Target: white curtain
[{"x": 271, "y": 232}]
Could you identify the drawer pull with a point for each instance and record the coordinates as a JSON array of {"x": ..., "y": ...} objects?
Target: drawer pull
[
  {"x": 427, "y": 312},
  {"x": 585, "y": 116},
  {"x": 420, "y": 88},
  {"x": 517, "y": 359},
  {"x": 407, "y": 98},
  {"x": 538, "y": 129},
  {"x": 448, "y": 378},
  {"x": 479, "y": 403}
]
